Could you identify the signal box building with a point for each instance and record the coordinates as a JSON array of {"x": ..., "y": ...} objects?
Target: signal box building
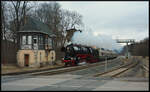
[{"x": 36, "y": 44}]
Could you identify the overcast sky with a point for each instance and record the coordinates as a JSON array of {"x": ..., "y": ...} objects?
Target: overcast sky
[{"x": 123, "y": 20}]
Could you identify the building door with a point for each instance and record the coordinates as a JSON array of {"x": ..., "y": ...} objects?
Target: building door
[{"x": 26, "y": 59}]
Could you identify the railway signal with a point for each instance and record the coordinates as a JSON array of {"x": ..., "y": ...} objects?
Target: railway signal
[{"x": 127, "y": 41}]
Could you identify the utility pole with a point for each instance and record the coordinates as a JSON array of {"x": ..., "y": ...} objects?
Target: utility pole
[
  {"x": 126, "y": 41},
  {"x": 105, "y": 64}
]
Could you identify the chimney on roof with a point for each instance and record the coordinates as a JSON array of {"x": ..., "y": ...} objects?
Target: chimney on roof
[{"x": 25, "y": 20}]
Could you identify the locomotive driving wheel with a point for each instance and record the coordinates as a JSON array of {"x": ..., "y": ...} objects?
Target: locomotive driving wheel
[
  {"x": 82, "y": 61},
  {"x": 77, "y": 60},
  {"x": 66, "y": 64}
]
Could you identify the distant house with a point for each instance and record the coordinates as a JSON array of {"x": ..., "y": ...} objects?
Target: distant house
[{"x": 36, "y": 44}]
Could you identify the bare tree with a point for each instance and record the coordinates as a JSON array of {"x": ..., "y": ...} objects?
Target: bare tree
[
  {"x": 70, "y": 20},
  {"x": 49, "y": 13},
  {"x": 59, "y": 20},
  {"x": 3, "y": 33},
  {"x": 4, "y": 19},
  {"x": 18, "y": 12},
  {"x": 139, "y": 48}
]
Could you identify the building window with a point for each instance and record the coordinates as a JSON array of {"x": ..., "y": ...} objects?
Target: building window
[
  {"x": 34, "y": 40},
  {"x": 24, "y": 40},
  {"x": 29, "y": 39},
  {"x": 41, "y": 40},
  {"x": 50, "y": 41},
  {"x": 46, "y": 41}
]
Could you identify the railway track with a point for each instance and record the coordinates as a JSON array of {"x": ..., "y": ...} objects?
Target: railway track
[
  {"x": 70, "y": 69},
  {"x": 34, "y": 72},
  {"x": 117, "y": 71},
  {"x": 146, "y": 68},
  {"x": 60, "y": 71}
]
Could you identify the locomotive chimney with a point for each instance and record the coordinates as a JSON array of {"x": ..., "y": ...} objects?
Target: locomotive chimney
[{"x": 94, "y": 47}]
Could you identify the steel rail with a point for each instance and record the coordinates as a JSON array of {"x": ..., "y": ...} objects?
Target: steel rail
[
  {"x": 40, "y": 71},
  {"x": 31, "y": 71},
  {"x": 129, "y": 67},
  {"x": 145, "y": 68},
  {"x": 113, "y": 70},
  {"x": 59, "y": 70},
  {"x": 64, "y": 70}
]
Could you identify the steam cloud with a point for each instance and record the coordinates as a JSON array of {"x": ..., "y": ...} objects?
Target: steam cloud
[{"x": 90, "y": 39}]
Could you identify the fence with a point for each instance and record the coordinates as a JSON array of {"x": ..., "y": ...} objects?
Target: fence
[{"x": 8, "y": 52}]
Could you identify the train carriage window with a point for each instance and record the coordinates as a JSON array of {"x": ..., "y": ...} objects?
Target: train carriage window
[{"x": 102, "y": 48}]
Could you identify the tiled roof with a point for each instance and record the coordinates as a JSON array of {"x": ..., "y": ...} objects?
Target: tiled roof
[{"x": 33, "y": 25}]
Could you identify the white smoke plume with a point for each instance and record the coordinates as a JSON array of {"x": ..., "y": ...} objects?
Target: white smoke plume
[{"x": 87, "y": 37}]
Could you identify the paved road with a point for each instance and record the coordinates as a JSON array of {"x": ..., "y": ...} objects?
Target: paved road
[{"x": 64, "y": 82}]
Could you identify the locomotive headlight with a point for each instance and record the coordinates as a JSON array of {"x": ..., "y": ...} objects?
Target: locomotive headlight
[
  {"x": 62, "y": 58},
  {"x": 71, "y": 58}
]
